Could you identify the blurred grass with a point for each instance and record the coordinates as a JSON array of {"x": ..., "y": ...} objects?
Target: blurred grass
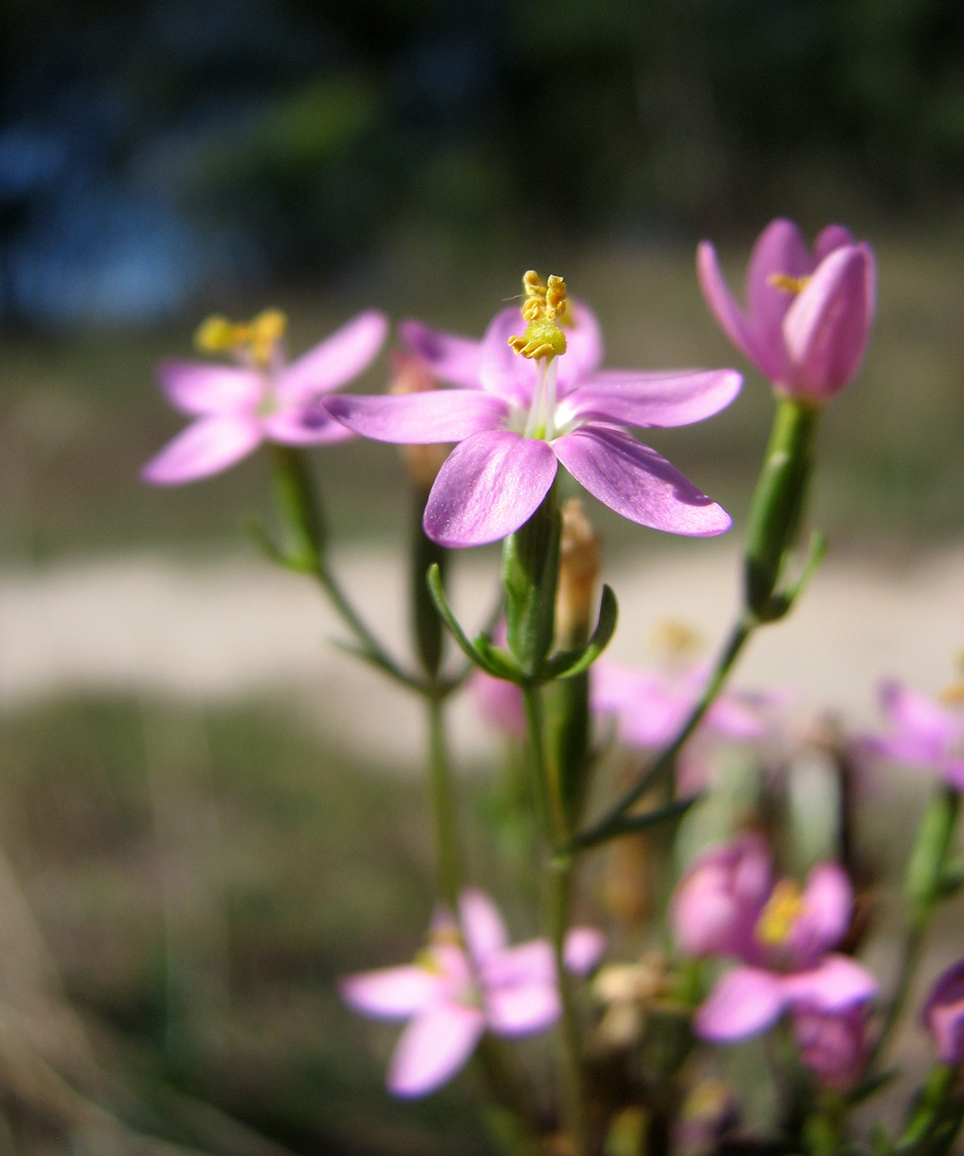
[
  {"x": 202, "y": 878},
  {"x": 80, "y": 413}
]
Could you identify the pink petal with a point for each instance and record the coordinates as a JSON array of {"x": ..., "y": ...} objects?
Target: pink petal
[
  {"x": 499, "y": 702},
  {"x": 745, "y": 1001},
  {"x": 523, "y": 1009},
  {"x": 199, "y": 389},
  {"x": 734, "y": 718},
  {"x": 309, "y": 424},
  {"x": 825, "y": 916},
  {"x": 583, "y": 949},
  {"x": 482, "y": 925},
  {"x": 392, "y": 992},
  {"x": 636, "y": 482},
  {"x": 444, "y": 415},
  {"x": 780, "y": 250},
  {"x": 827, "y": 326},
  {"x": 450, "y": 358},
  {"x": 502, "y": 371},
  {"x": 336, "y": 360},
  {"x": 205, "y": 447},
  {"x": 727, "y": 312},
  {"x": 489, "y": 486},
  {"x": 526, "y": 963},
  {"x": 584, "y": 348},
  {"x": 837, "y": 983},
  {"x": 637, "y": 399},
  {"x": 931, "y": 724},
  {"x": 433, "y": 1048},
  {"x": 943, "y": 1014},
  {"x": 832, "y": 237}
]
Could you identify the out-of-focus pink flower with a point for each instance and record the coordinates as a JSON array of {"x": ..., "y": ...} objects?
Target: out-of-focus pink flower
[
  {"x": 468, "y": 979},
  {"x": 516, "y": 419},
  {"x": 921, "y": 731},
  {"x": 834, "y": 1046},
  {"x": 237, "y": 407},
  {"x": 943, "y": 1014},
  {"x": 808, "y": 315},
  {"x": 728, "y": 904},
  {"x": 650, "y": 706}
]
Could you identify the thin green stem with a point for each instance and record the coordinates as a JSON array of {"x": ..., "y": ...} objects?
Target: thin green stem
[
  {"x": 548, "y": 802},
  {"x": 609, "y": 825},
  {"x": 448, "y": 857}
]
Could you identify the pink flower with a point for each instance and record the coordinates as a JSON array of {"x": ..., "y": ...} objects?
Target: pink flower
[
  {"x": 516, "y": 419},
  {"x": 651, "y": 705},
  {"x": 921, "y": 731},
  {"x": 237, "y": 407},
  {"x": 943, "y": 1015},
  {"x": 834, "y": 1046},
  {"x": 808, "y": 316},
  {"x": 727, "y": 904},
  {"x": 466, "y": 981}
]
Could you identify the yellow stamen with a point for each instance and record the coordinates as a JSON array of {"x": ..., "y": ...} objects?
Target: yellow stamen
[
  {"x": 544, "y": 310},
  {"x": 778, "y": 917},
  {"x": 255, "y": 341},
  {"x": 787, "y": 283},
  {"x": 953, "y": 695}
]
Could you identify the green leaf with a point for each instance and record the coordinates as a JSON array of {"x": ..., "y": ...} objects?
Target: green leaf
[
  {"x": 569, "y": 663},
  {"x": 447, "y": 615},
  {"x": 633, "y": 824}
]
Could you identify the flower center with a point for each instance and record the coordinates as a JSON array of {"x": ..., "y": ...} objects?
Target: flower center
[
  {"x": 545, "y": 311},
  {"x": 256, "y": 343},
  {"x": 780, "y": 913},
  {"x": 788, "y": 284}
]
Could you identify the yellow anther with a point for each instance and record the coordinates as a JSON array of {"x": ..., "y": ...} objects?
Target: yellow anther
[
  {"x": 427, "y": 961},
  {"x": 446, "y": 935},
  {"x": 953, "y": 695},
  {"x": 778, "y": 917},
  {"x": 257, "y": 339},
  {"x": 787, "y": 283},
  {"x": 544, "y": 310}
]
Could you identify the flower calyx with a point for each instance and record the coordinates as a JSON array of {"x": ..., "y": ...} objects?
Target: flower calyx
[
  {"x": 253, "y": 342},
  {"x": 544, "y": 310}
]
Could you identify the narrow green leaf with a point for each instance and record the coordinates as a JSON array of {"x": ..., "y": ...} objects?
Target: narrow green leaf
[
  {"x": 434, "y": 579},
  {"x": 569, "y": 663},
  {"x": 633, "y": 824}
]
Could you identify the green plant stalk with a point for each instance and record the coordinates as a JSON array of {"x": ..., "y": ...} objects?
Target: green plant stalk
[
  {"x": 530, "y": 575},
  {"x": 923, "y": 889},
  {"x": 428, "y": 631},
  {"x": 778, "y": 501},
  {"x": 448, "y": 854}
]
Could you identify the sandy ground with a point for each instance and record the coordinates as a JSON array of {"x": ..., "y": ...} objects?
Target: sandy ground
[{"x": 232, "y": 628}]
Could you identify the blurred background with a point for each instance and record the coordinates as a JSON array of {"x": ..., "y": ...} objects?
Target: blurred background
[{"x": 194, "y": 849}]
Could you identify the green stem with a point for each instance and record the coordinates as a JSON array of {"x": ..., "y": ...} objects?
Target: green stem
[
  {"x": 609, "y": 825},
  {"x": 449, "y": 862},
  {"x": 777, "y": 507},
  {"x": 924, "y": 889}
]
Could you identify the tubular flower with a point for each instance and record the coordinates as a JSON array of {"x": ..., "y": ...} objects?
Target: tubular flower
[
  {"x": 922, "y": 731},
  {"x": 237, "y": 407},
  {"x": 807, "y": 317},
  {"x": 943, "y": 1015},
  {"x": 466, "y": 981},
  {"x": 516, "y": 418},
  {"x": 728, "y": 904}
]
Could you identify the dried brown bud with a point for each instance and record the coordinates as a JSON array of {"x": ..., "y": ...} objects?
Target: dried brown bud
[{"x": 578, "y": 572}]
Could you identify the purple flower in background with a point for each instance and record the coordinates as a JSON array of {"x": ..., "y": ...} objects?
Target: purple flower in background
[
  {"x": 834, "y": 1046},
  {"x": 727, "y": 904},
  {"x": 650, "y": 706},
  {"x": 237, "y": 407},
  {"x": 807, "y": 317},
  {"x": 943, "y": 1014},
  {"x": 468, "y": 980},
  {"x": 516, "y": 418},
  {"x": 921, "y": 731}
]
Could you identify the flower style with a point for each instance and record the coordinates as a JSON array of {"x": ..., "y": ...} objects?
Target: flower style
[
  {"x": 727, "y": 904},
  {"x": 943, "y": 1015},
  {"x": 808, "y": 316},
  {"x": 922, "y": 731},
  {"x": 465, "y": 981},
  {"x": 517, "y": 418},
  {"x": 237, "y": 407}
]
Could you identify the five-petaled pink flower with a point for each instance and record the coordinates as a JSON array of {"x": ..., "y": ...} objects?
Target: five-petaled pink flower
[
  {"x": 516, "y": 419},
  {"x": 728, "y": 904},
  {"x": 807, "y": 317},
  {"x": 465, "y": 981},
  {"x": 943, "y": 1014},
  {"x": 921, "y": 731},
  {"x": 237, "y": 407}
]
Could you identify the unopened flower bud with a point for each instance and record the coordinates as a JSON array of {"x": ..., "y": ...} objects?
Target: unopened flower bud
[
  {"x": 578, "y": 572},
  {"x": 943, "y": 1015}
]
